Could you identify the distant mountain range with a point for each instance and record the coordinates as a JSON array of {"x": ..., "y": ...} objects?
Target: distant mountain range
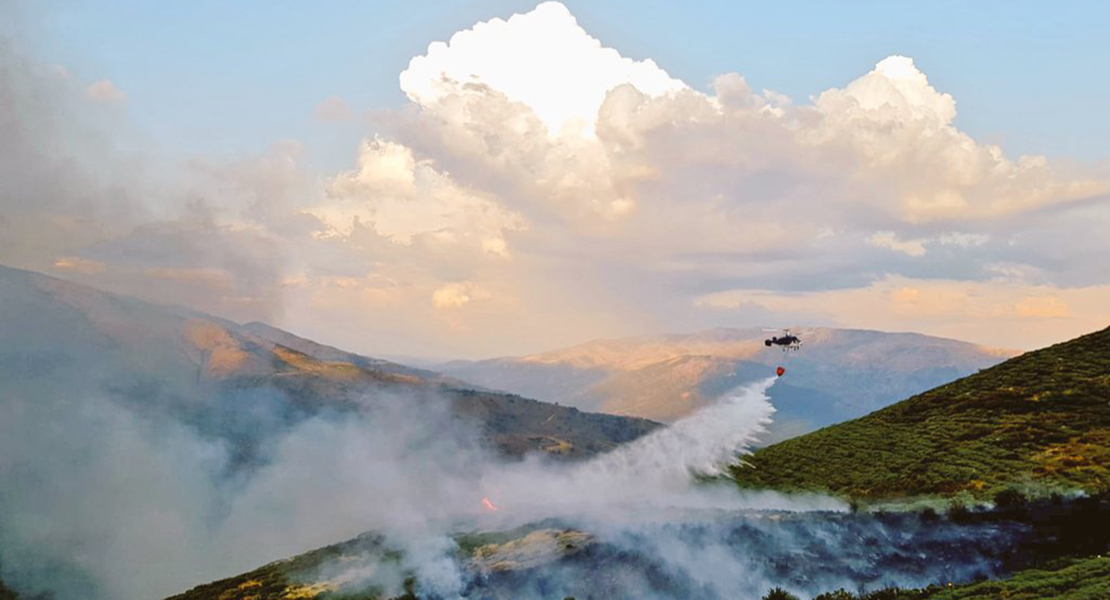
[
  {"x": 838, "y": 374},
  {"x": 1039, "y": 422},
  {"x": 241, "y": 383}
]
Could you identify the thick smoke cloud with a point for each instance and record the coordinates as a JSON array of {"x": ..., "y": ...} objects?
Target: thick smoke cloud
[
  {"x": 647, "y": 529},
  {"x": 435, "y": 487},
  {"x": 72, "y": 205},
  {"x": 100, "y": 504},
  {"x": 633, "y": 524},
  {"x": 101, "y": 500}
]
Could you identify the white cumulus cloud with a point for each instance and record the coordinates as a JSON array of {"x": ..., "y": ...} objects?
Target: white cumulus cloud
[
  {"x": 543, "y": 59},
  {"x": 402, "y": 198}
]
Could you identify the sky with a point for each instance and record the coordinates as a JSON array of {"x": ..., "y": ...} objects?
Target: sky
[{"x": 443, "y": 179}]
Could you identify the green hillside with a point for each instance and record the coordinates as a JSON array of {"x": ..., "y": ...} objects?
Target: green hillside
[
  {"x": 1037, "y": 422},
  {"x": 1077, "y": 579},
  {"x": 1072, "y": 579}
]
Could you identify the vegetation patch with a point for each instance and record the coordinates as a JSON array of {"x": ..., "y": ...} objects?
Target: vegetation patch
[
  {"x": 1075, "y": 579},
  {"x": 302, "y": 576}
]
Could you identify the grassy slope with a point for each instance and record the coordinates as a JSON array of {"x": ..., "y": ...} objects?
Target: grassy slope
[
  {"x": 281, "y": 580},
  {"x": 1076, "y": 579},
  {"x": 1086, "y": 579},
  {"x": 1042, "y": 418}
]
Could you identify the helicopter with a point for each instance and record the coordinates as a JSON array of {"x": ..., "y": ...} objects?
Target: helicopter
[{"x": 787, "y": 341}]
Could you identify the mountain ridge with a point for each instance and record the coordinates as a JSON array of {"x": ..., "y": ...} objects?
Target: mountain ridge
[{"x": 195, "y": 366}]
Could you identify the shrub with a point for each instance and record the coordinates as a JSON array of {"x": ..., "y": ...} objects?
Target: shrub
[
  {"x": 778, "y": 593},
  {"x": 841, "y": 594}
]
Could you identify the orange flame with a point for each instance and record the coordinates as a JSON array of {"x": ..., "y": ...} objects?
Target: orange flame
[{"x": 490, "y": 506}]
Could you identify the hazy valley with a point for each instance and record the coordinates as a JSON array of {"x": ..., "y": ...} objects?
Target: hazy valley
[{"x": 842, "y": 374}]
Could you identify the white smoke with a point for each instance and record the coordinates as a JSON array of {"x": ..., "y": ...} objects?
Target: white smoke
[
  {"x": 100, "y": 502},
  {"x": 658, "y": 469},
  {"x": 646, "y": 511},
  {"x": 701, "y": 443},
  {"x": 644, "y": 483}
]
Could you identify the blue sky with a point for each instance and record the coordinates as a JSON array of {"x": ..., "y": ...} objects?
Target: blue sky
[
  {"x": 226, "y": 78},
  {"x": 537, "y": 190}
]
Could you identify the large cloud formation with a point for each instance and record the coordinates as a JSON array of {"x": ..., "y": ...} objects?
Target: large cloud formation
[
  {"x": 659, "y": 202},
  {"x": 541, "y": 189}
]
